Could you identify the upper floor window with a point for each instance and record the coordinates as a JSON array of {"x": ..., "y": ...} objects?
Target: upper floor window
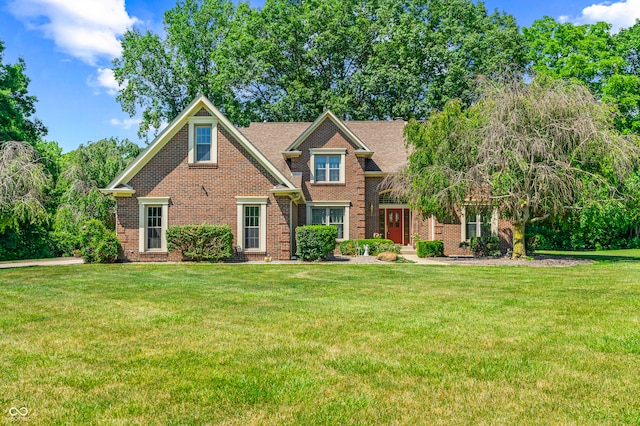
[
  {"x": 328, "y": 165},
  {"x": 203, "y": 140},
  {"x": 327, "y": 168},
  {"x": 203, "y": 143}
]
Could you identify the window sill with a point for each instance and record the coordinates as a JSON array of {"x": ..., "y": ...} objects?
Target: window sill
[
  {"x": 253, "y": 251},
  {"x": 328, "y": 184},
  {"x": 203, "y": 165}
]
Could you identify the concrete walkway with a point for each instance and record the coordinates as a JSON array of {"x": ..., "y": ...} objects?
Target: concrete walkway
[
  {"x": 59, "y": 261},
  {"x": 423, "y": 260}
]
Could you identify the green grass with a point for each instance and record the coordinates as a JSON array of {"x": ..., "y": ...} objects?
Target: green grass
[
  {"x": 321, "y": 344},
  {"x": 601, "y": 256}
]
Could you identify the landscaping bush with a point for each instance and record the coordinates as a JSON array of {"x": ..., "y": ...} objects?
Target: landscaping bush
[
  {"x": 315, "y": 242},
  {"x": 99, "y": 244},
  {"x": 201, "y": 242},
  {"x": 376, "y": 246},
  {"x": 430, "y": 248},
  {"x": 485, "y": 246}
]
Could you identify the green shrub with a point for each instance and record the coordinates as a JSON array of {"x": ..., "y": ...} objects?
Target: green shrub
[
  {"x": 430, "y": 248},
  {"x": 315, "y": 242},
  {"x": 201, "y": 242},
  {"x": 376, "y": 246},
  {"x": 485, "y": 246},
  {"x": 348, "y": 248},
  {"x": 27, "y": 241},
  {"x": 99, "y": 244}
]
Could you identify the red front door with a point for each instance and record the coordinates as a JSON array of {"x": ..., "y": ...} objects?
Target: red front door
[{"x": 394, "y": 225}]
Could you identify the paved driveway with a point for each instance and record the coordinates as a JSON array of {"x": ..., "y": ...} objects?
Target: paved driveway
[{"x": 59, "y": 261}]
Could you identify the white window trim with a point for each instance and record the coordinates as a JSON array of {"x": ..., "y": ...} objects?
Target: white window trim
[
  {"x": 143, "y": 203},
  {"x": 342, "y": 152},
  {"x": 199, "y": 121},
  {"x": 330, "y": 204},
  {"x": 463, "y": 223},
  {"x": 261, "y": 202}
]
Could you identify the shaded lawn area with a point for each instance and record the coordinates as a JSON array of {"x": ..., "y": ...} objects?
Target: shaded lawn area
[
  {"x": 601, "y": 255},
  {"x": 321, "y": 344}
]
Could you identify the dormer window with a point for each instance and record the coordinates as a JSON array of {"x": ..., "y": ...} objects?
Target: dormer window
[
  {"x": 327, "y": 165},
  {"x": 203, "y": 140}
]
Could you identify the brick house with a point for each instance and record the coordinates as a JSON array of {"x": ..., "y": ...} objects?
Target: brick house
[{"x": 268, "y": 178}]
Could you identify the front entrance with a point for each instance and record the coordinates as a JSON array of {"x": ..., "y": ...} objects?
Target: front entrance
[{"x": 395, "y": 224}]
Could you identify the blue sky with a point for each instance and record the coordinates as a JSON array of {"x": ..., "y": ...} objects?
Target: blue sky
[{"x": 68, "y": 46}]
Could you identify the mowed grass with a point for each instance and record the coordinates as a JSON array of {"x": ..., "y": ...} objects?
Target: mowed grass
[{"x": 321, "y": 344}]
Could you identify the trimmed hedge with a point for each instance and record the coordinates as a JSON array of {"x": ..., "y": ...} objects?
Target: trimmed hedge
[
  {"x": 376, "y": 246},
  {"x": 485, "y": 246},
  {"x": 430, "y": 248},
  {"x": 99, "y": 245},
  {"x": 315, "y": 242},
  {"x": 201, "y": 242}
]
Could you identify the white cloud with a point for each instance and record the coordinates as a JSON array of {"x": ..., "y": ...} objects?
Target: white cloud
[
  {"x": 105, "y": 80},
  {"x": 620, "y": 14},
  {"x": 125, "y": 124},
  {"x": 85, "y": 29}
]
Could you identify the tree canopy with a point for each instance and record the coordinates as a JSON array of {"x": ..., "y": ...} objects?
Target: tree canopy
[
  {"x": 291, "y": 60},
  {"x": 16, "y": 105},
  {"x": 527, "y": 149},
  {"x": 608, "y": 64}
]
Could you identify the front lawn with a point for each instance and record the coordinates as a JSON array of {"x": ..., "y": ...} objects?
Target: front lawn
[{"x": 321, "y": 344}]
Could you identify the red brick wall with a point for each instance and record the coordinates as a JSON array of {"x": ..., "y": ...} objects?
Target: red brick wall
[
  {"x": 203, "y": 195},
  {"x": 327, "y": 135}
]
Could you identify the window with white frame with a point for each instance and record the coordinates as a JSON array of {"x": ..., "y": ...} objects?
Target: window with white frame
[
  {"x": 203, "y": 143},
  {"x": 252, "y": 224},
  {"x": 203, "y": 140},
  {"x": 251, "y": 227},
  {"x": 330, "y": 213},
  {"x": 327, "y": 165},
  {"x": 478, "y": 222},
  {"x": 153, "y": 221}
]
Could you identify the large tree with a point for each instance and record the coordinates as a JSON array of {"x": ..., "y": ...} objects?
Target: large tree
[
  {"x": 606, "y": 63},
  {"x": 292, "y": 59},
  {"x": 528, "y": 148},
  {"x": 86, "y": 169},
  {"x": 16, "y": 105},
  {"x": 161, "y": 74},
  {"x": 23, "y": 185}
]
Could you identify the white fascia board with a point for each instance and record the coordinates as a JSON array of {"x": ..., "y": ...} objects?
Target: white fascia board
[
  {"x": 176, "y": 125},
  {"x": 328, "y": 114}
]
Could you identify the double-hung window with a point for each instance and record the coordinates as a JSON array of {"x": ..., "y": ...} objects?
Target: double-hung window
[
  {"x": 328, "y": 216},
  {"x": 327, "y": 165},
  {"x": 478, "y": 223},
  {"x": 154, "y": 227},
  {"x": 327, "y": 168},
  {"x": 203, "y": 141},
  {"x": 330, "y": 213},
  {"x": 252, "y": 224},
  {"x": 251, "y": 227},
  {"x": 153, "y": 223}
]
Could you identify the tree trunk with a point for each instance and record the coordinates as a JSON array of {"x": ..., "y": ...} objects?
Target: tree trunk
[{"x": 518, "y": 240}]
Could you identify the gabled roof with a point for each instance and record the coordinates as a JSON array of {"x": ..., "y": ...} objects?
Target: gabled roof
[
  {"x": 384, "y": 137},
  {"x": 328, "y": 115},
  {"x": 176, "y": 124}
]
